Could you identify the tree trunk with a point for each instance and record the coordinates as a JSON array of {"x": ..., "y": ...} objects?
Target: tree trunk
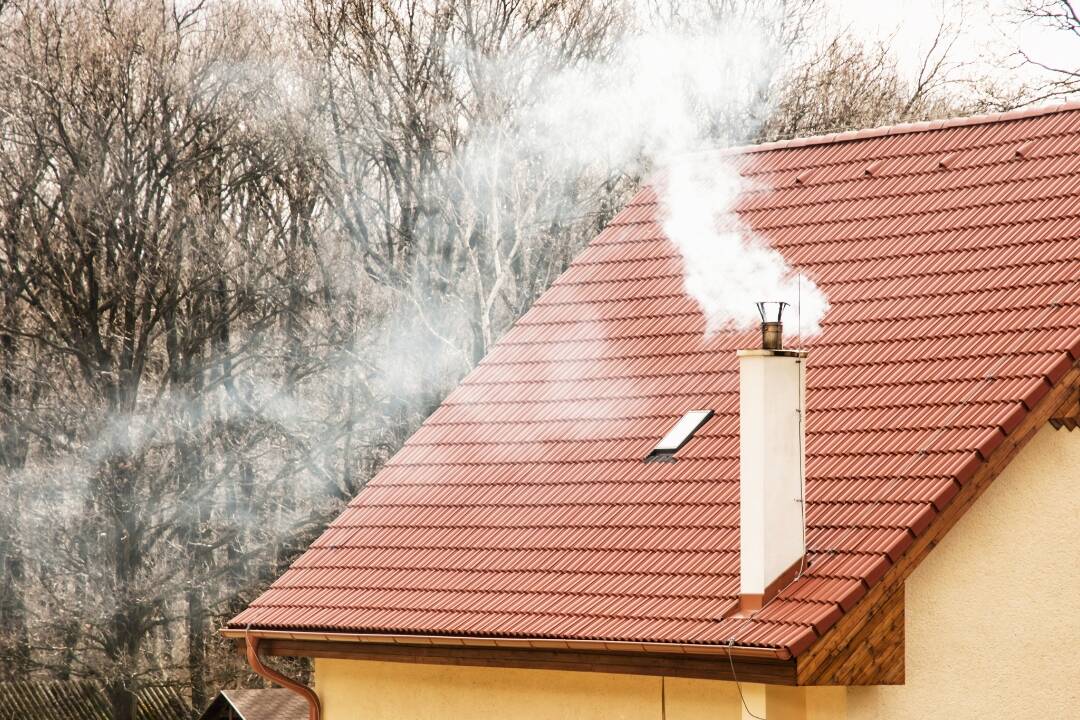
[
  {"x": 126, "y": 633},
  {"x": 123, "y": 702},
  {"x": 14, "y": 635}
]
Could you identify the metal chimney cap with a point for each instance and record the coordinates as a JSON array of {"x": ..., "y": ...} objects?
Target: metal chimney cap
[{"x": 765, "y": 306}]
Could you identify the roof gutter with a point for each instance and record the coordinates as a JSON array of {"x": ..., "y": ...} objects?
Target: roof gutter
[
  {"x": 252, "y": 647},
  {"x": 726, "y": 650}
]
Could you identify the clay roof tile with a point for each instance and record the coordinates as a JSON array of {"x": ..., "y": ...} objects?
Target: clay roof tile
[{"x": 522, "y": 508}]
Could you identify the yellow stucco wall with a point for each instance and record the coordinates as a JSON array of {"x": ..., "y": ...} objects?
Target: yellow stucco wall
[
  {"x": 993, "y": 613},
  {"x": 991, "y": 618},
  {"x": 354, "y": 690},
  {"x": 360, "y": 690}
]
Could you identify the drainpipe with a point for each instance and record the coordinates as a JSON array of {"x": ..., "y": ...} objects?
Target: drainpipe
[{"x": 252, "y": 642}]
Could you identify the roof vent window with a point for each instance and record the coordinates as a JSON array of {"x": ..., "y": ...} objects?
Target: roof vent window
[{"x": 678, "y": 436}]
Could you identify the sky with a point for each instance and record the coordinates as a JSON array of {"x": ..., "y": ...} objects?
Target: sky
[{"x": 989, "y": 39}]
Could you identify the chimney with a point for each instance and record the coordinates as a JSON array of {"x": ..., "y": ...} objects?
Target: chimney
[{"x": 772, "y": 388}]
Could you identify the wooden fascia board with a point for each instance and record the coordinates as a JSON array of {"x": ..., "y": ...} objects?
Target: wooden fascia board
[
  {"x": 713, "y": 666},
  {"x": 1068, "y": 413},
  {"x": 874, "y": 655},
  {"x": 819, "y": 663}
]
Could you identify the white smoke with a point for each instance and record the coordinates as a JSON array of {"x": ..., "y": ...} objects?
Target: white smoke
[
  {"x": 726, "y": 266},
  {"x": 659, "y": 103}
]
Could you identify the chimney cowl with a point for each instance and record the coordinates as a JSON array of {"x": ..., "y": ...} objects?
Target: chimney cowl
[
  {"x": 772, "y": 327},
  {"x": 772, "y": 336}
]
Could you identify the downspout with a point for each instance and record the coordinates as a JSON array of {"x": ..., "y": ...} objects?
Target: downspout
[{"x": 256, "y": 663}]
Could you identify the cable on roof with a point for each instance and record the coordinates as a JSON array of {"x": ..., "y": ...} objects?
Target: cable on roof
[
  {"x": 800, "y": 391},
  {"x": 731, "y": 641},
  {"x": 798, "y": 310}
]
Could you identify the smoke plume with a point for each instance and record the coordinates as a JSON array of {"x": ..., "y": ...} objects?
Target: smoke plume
[{"x": 657, "y": 104}]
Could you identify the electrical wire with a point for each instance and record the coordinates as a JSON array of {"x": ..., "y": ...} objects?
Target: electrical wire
[
  {"x": 798, "y": 311},
  {"x": 800, "y": 392},
  {"x": 737, "y": 685}
]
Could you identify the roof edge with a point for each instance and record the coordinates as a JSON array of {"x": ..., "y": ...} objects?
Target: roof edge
[
  {"x": 903, "y": 128},
  {"x": 719, "y": 663},
  {"x": 741, "y": 651}
]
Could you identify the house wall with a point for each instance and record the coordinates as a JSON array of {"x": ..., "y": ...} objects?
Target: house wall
[
  {"x": 993, "y": 613},
  {"x": 991, "y": 617},
  {"x": 355, "y": 690}
]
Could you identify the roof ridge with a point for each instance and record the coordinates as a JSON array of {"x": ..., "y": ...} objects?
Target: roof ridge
[{"x": 903, "y": 128}]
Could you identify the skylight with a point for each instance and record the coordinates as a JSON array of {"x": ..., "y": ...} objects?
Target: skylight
[{"x": 678, "y": 436}]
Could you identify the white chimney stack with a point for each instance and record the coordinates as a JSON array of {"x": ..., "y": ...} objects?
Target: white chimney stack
[{"x": 772, "y": 389}]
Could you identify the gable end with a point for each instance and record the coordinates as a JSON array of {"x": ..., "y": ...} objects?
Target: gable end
[{"x": 830, "y": 660}]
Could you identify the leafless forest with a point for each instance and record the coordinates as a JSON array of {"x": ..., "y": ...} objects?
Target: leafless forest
[{"x": 245, "y": 250}]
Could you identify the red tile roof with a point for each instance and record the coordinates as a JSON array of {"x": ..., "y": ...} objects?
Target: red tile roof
[{"x": 522, "y": 507}]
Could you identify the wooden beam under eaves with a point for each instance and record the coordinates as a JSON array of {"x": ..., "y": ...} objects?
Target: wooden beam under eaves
[
  {"x": 1068, "y": 413},
  {"x": 710, "y": 667}
]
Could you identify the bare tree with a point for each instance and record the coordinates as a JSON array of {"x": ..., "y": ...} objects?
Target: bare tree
[
  {"x": 849, "y": 85},
  {"x": 1062, "y": 16},
  {"x": 409, "y": 91},
  {"x": 143, "y": 224},
  {"x": 244, "y": 255}
]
